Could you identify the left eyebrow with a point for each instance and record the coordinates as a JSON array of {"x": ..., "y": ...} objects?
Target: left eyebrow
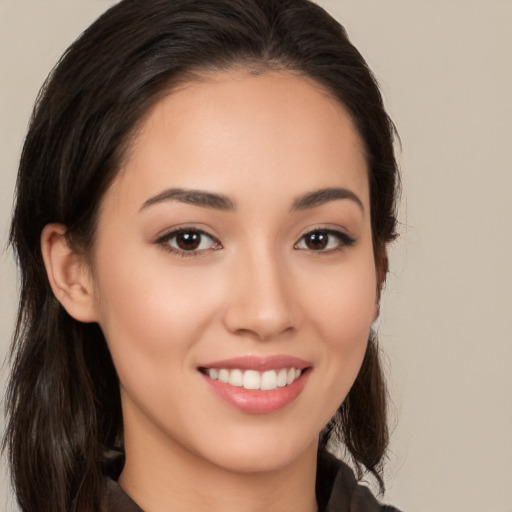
[{"x": 325, "y": 195}]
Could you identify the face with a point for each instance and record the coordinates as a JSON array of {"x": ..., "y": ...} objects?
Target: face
[{"x": 233, "y": 270}]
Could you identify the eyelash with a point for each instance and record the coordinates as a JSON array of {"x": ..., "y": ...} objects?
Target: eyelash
[
  {"x": 343, "y": 240},
  {"x": 163, "y": 241}
]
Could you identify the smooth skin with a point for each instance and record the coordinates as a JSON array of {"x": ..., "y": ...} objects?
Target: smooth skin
[{"x": 260, "y": 271}]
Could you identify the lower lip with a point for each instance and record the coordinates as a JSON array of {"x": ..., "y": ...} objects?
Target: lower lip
[{"x": 256, "y": 401}]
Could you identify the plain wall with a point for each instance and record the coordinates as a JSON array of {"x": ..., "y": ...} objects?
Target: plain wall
[{"x": 446, "y": 74}]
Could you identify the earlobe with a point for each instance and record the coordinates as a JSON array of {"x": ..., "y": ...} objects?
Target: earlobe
[
  {"x": 381, "y": 268},
  {"x": 376, "y": 311},
  {"x": 68, "y": 274}
]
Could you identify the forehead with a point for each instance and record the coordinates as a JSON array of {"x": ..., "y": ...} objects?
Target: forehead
[{"x": 236, "y": 129}]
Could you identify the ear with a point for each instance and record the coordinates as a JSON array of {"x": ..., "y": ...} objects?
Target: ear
[
  {"x": 376, "y": 311},
  {"x": 382, "y": 268},
  {"x": 68, "y": 273}
]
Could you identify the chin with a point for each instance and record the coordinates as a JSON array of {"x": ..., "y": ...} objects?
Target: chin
[{"x": 258, "y": 454}]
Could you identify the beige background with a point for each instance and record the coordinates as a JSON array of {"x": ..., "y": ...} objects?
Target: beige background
[{"x": 446, "y": 73}]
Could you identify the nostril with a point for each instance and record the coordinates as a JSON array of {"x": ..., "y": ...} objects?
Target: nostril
[{"x": 265, "y": 333}]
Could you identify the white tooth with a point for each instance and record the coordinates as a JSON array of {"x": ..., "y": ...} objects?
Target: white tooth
[
  {"x": 236, "y": 378},
  {"x": 290, "y": 376},
  {"x": 297, "y": 374},
  {"x": 251, "y": 379},
  {"x": 281, "y": 378},
  {"x": 224, "y": 375},
  {"x": 213, "y": 373},
  {"x": 268, "y": 380}
]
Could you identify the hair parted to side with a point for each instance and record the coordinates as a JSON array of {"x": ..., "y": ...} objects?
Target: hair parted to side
[{"x": 63, "y": 401}]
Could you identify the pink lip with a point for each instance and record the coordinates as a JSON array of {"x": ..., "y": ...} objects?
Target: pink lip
[
  {"x": 258, "y": 401},
  {"x": 260, "y": 364}
]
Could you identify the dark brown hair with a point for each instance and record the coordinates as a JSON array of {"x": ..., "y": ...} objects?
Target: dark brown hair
[{"x": 63, "y": 400}]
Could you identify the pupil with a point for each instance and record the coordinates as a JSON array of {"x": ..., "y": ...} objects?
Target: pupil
[
  {"x": 188, "y": 241},
  {"x": 317, "y": 240}
]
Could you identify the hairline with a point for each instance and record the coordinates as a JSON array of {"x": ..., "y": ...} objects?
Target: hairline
[{"x": 204, "y": 74}]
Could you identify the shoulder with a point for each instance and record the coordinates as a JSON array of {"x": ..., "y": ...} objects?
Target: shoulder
[{"x": 338, "y": 490}]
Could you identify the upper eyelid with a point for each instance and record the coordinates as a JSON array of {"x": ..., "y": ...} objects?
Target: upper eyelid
[
  {"x": 345, "y": 238},
  {"x": 339, "y": 232},
  {"x": 328, "y": 229},
  {"x": 162, "y": 241},
  {"x": 168, "y": 233}
]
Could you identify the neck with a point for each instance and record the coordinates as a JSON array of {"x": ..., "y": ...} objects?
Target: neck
[{"x": 166, "y": 478}]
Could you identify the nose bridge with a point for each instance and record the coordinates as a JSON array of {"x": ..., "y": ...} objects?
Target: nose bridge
[{"x": 261, "y": 304}]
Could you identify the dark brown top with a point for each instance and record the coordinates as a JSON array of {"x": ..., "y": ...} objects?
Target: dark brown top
[{"x": 336, "y": 490}]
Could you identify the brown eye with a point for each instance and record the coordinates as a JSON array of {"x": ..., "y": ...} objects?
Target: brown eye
[
  {"x": 317, "y": 240},
  {"x": 188, "y": 241},
  {"x": 191, "y": 241},
  {"x": 324, "y": 240}
]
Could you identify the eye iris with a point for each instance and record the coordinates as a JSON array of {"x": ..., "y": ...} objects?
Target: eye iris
[
  {"x": 317, "y": 241},
  {"x": 188, "y": 241}
]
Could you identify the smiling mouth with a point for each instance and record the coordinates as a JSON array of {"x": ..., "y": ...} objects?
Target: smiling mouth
[
  {"x": 253, "y": 379},
  {"x": 257, "y": 385}
]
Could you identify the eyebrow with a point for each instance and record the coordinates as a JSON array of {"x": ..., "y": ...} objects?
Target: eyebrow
[
  {"x": 194, "y": 197},
  {"x": 221, "y": 202},
  {"x": 325, "y": 195}
]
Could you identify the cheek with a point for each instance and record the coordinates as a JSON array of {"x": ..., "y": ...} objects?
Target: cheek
[
  {"x": 347, "y": 314},
  {"x": 150, "y": 313},
  {"x": 343, "y": 314},
  {"x": 346, "y": 334},
  {"x": 344, "y": 301}
]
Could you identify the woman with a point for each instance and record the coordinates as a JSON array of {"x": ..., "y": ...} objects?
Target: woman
[{"x": 204, "y": 201}]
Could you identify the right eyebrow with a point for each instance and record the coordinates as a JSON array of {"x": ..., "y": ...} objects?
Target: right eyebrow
[{"x": 191, "y": 196}]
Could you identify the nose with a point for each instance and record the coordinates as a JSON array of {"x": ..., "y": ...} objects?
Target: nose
[{"x": 261, "y": 303}]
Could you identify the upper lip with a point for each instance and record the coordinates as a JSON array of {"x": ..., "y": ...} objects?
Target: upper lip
[{"x": 259, "y": 363}]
